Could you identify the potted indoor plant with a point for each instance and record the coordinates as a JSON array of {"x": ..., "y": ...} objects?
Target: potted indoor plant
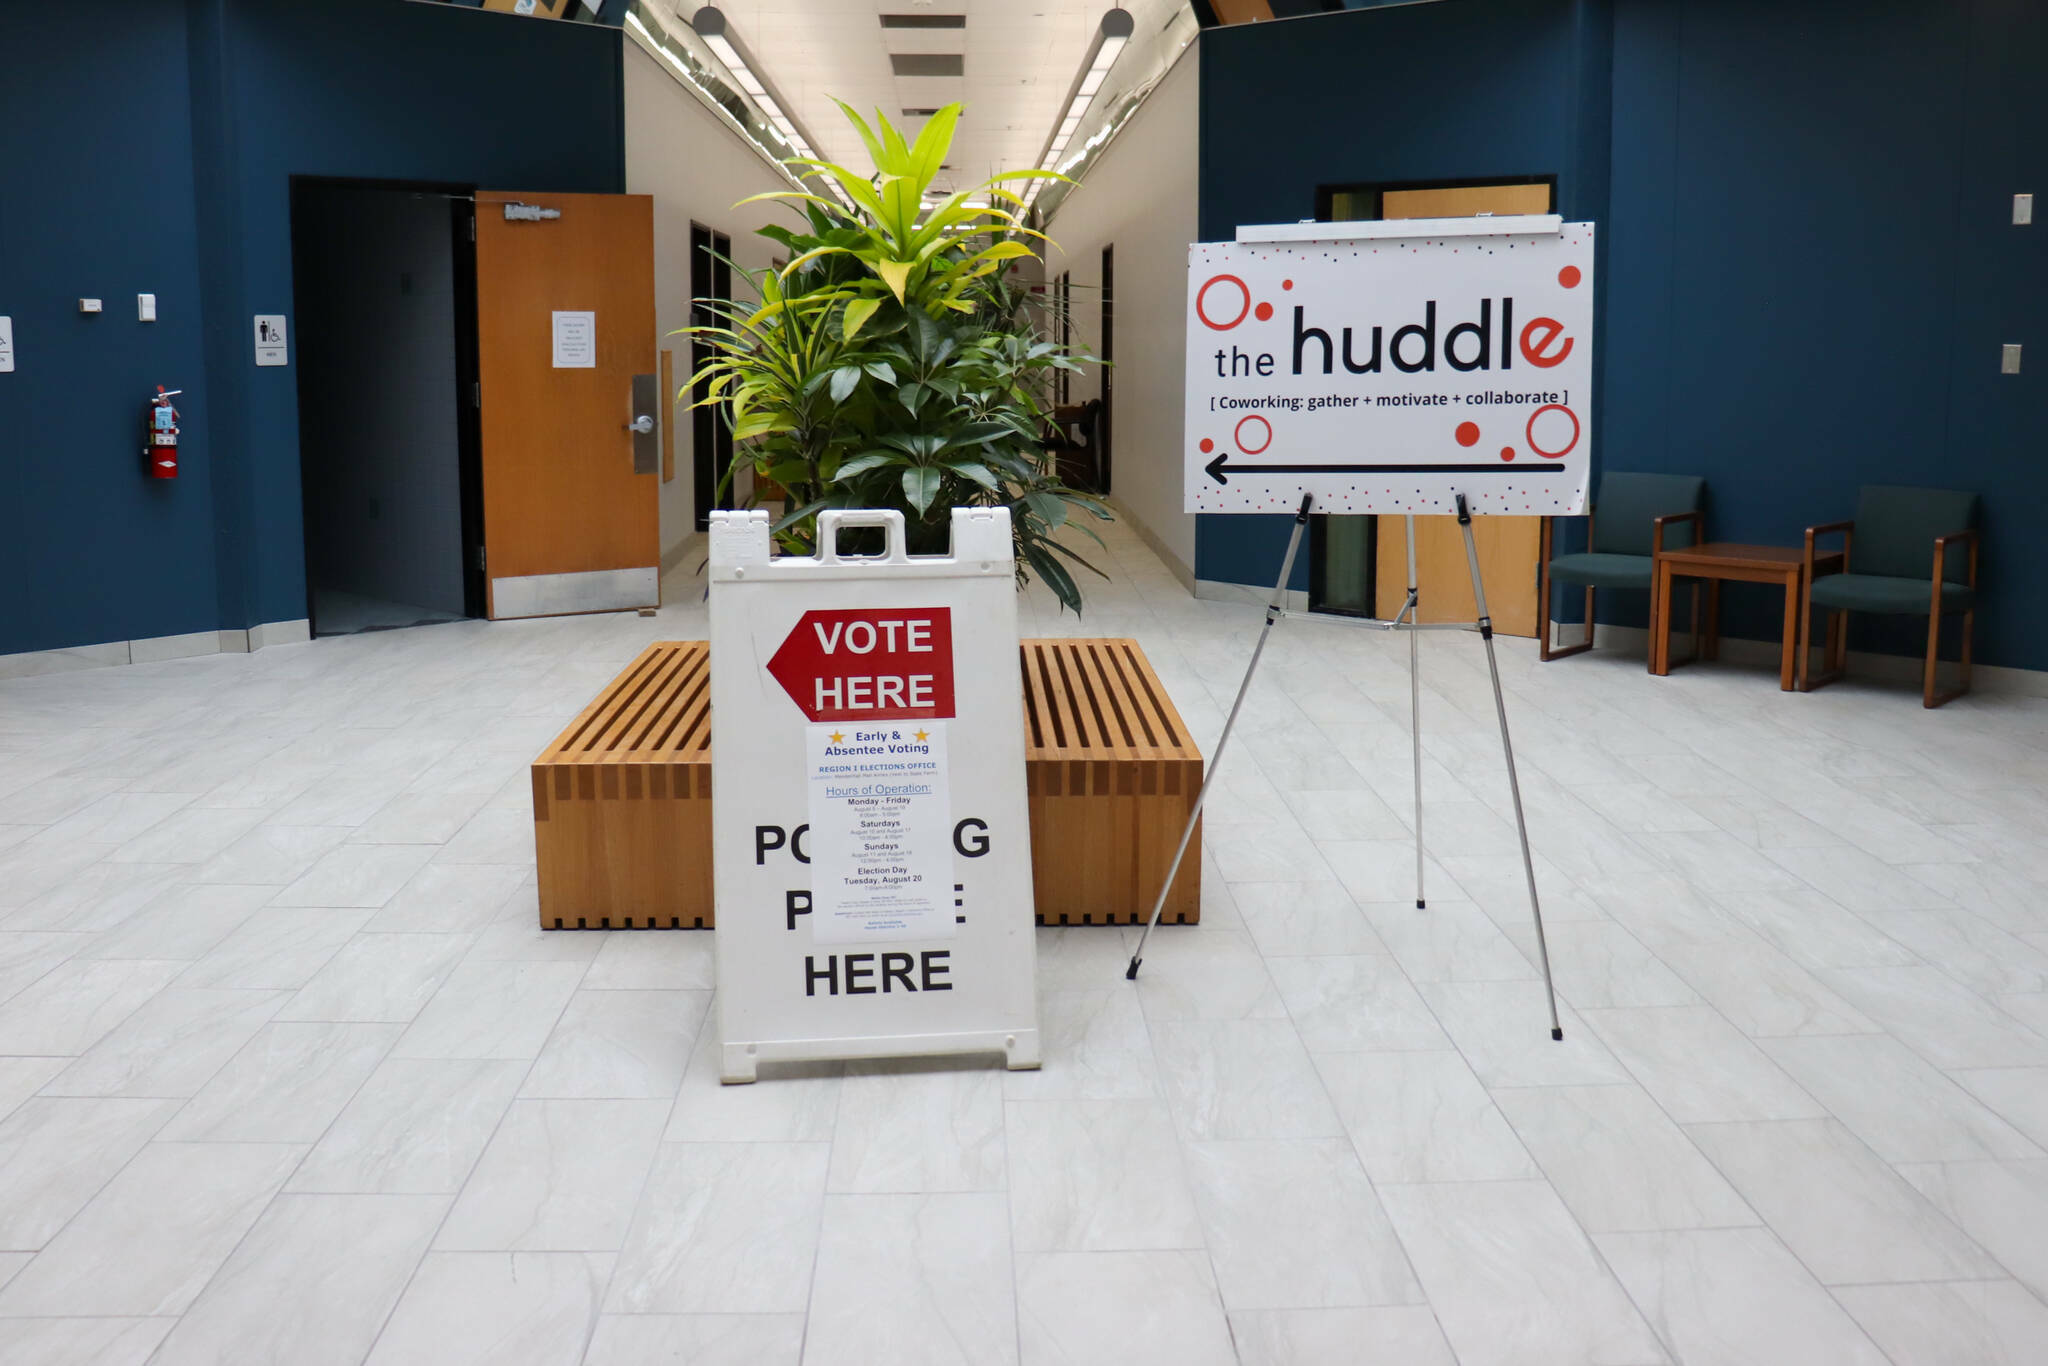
[{"x": 890, "y": 363}]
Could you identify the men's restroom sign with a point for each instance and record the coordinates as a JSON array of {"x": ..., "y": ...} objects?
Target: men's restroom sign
[{"x": 869, "y": 665}]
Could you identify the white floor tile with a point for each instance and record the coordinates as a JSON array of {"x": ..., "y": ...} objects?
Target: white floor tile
[
  {"x": 1294, "y": 1224},
  {"x": 696, "y": 1340},
  {"x": 1422, "y": 1117},
  {"x": 1096, "y": 1176},
  {"x": 1619, "y": 1163},
  {"x": 1513, "y": 1279},
  {"x": 1845, "y": 1213},
  {"x": 2003, "y": 1205},
  {"x": 56, "y": 1154},
  {"x": 1320, "y": 1337},
  {"x": 311, "y": 1284},
  {"x": 493, "y": 1309},
  {"x": 1699, "y": 1067},
  {"x": 558, "y": 1176},
  {"x": 621, "y": 1045},
  {"x": 1986, "y": 1323},
  {"x": 378, "y": 978},
  {"x": 1241, "y": 1079},
  {"x": 1906, "y": 1110},
  {"x": 1120, "y": 1309},
  {"x": 415, "y": 1127},
  {"x": 1734, "y": 1297},
  {"x": 724, "y": 1228},
  {"x": 491, "y": 1010},
  {"x": 76, "y": 1004},
  {"x": 915, "y": 1279},
  {"x": 285, "y": 1086},
  {"x": 68, "y": 1341},
  {"x": 918, "y": 1125},
  {"x": 150, "y": 1240}
]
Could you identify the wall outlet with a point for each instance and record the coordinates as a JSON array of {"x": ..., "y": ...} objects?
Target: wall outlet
[
  {"x": 2022, "y": 210},
  {"x": 88, "y": 305},
  {"x": 2009, "y": 360}
]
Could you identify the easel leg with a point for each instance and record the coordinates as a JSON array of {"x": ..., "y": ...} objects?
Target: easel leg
[
  {"x": 1414, "y": 613},
  {"x": 1273, "y": 610},
  {"x": 1507, "y": 748}
]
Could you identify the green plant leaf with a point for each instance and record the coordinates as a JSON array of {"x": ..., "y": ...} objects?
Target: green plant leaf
[
  {"x": 843, "y": 381},
  {"x": 857, "y": 314},
  {"x": 921, "y": 486},
  {"x": 896, "y": 275}
]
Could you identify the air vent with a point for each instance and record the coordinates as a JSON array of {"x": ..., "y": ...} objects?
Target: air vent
[
  {"x": 919, "y": 113},
  {"x": 927, "y": 63},
  {"x": 924, "y": 21}
]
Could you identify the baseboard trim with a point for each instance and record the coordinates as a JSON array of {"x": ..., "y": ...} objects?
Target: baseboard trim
[
  {"x": 154, "y": 649},
  {"x": 1215, "y": 590},
  {"x": 1763, "y": 654}
]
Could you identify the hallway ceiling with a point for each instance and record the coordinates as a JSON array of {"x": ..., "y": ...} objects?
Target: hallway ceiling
[{"x": 1017, "y": 60}]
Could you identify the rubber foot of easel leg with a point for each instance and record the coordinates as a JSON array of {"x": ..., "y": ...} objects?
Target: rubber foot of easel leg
[
  {"x": 1131, "y": 972},
  {"x": 1418, "y": 903},
  {"x": 1557, "y": 1034}
]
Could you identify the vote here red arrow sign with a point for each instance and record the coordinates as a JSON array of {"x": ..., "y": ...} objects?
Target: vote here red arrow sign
[{"x": 864, "y": 664}]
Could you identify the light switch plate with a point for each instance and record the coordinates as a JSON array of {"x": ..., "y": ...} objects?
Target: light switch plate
[
  {"x": 2009, "y": 361},
  {"x": 2022, "y": 210},
  {"x": 6, "y": 346},
  {"x": 88, "y": 305},
  {"x": 145, "y": 308}
]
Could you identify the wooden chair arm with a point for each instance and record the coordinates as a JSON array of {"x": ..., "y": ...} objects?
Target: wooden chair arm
[
  {"x": 1848, "y": 530},
  {"x": 1657, "y": 529},
  {"x": 1941, "y": 556}
]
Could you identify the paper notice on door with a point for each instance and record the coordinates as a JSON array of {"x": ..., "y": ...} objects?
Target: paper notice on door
[
  {"x": 881, "y": 832},
  {"x": 575, "y": 341}
]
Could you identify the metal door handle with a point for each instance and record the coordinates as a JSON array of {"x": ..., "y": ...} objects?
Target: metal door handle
[{"x": 642, "y": 424}]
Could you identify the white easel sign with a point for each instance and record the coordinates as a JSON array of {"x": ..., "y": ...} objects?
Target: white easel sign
[
  {"x": 1387, "y": 367},
  {"x": 871, "y": 848}
]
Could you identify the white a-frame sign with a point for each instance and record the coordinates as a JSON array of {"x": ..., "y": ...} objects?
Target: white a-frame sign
[{"x": 871, "y": 851}]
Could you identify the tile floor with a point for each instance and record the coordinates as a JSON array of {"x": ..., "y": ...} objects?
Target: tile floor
[{"x": 288, "y": 1075}]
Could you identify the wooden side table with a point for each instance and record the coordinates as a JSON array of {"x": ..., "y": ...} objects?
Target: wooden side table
[{"x": 1719, "y": 560}]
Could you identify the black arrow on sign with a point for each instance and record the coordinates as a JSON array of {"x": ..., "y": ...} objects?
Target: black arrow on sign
[{"x": 1216, "y": 467}]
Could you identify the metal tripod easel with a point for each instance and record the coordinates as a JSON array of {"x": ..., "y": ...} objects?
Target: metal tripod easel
[{"x": 1404, "y": 620}]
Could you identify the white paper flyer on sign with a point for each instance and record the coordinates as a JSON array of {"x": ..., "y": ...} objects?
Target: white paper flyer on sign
[{"x": 881, "y": 832}]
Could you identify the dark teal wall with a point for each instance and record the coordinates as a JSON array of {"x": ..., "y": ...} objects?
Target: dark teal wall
[
  {"x": 150, "y": 146},
  {"x": 1807, "y": 264},
  {"x": 1812, "y": 264},
  {"x": 96, "y": 200}
]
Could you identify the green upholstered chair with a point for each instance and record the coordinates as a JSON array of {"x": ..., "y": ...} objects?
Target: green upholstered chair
[
  {"x": 1910, "y": 552},
  {"x": 1632, "y": 516}
]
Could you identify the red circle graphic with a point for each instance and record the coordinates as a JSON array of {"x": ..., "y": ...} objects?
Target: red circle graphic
[
  {"x": 1202, "y": 295},
  {"x": 1569, "y": 277},
  {"x": 1238, "y": 435},
  {"x": 1207, "y": 445},
  {"x": 1530, "y": 432},
  {"x": 1263, "y": 311},
  {"x": 1507, "y": 452},
  {"x": 1468, "y": 433}
]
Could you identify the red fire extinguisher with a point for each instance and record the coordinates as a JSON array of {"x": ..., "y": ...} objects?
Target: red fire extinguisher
[{"x": 161, "y": 453}]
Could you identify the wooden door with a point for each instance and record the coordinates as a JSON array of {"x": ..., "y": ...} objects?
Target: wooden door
[
  {"x": 1507, "y": 545},
  {"x": 1507, "y": 568},
  {"x": 565, "y": 324}
]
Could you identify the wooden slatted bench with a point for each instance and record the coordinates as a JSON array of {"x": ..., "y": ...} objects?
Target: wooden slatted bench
[
  {"x": 622, "y": 798},
  {"x": 1112, "y": 775}
]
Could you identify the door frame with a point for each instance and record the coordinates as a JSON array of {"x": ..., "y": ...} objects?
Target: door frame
[
  {"x": 1318, "y": 525},
  {"x": 467, "y": 396},
  {"x": 711, "y": 443}
]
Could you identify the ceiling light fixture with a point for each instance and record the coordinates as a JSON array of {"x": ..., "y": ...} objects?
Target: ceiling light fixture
[
  {"x": 1110, "y": 37},
  {"x": 712, "y": 26}
]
